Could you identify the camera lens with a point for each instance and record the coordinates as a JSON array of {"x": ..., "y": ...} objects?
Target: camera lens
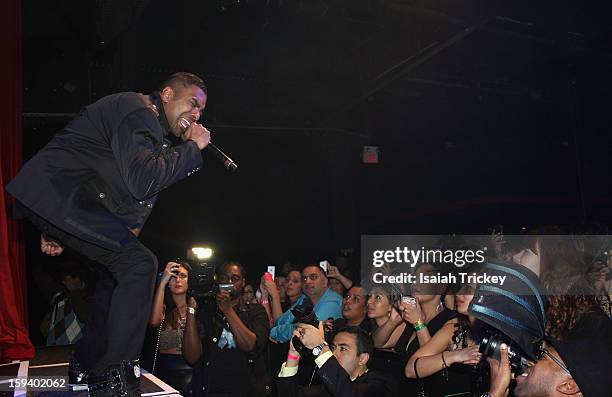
[{"x": 490, "y": 347}]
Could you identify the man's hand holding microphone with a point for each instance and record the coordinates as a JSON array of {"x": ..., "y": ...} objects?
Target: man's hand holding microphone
[{"x": 197, "y": 133}]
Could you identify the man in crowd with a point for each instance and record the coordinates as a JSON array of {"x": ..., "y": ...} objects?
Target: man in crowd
[
  {"x": 578, "y": 367},
  {"x": 326, "y": 303},
  {"x": 342, "y": 366},
  {"x": 92, "y": 187},
  {"x": 70, "y": 302},
  {"x": 354, "y": 313},
  {"x": 230, "y": 352}
]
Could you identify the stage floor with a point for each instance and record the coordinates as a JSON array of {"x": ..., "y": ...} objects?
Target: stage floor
[{"x": 52, "y": 362}]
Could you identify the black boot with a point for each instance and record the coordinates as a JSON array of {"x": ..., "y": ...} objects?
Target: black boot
[
  {"x": 120, "y": 380},
  {"x": 76, "y": 373}
]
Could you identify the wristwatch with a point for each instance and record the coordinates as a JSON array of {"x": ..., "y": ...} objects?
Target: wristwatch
[{"x": 317, "y": 349}]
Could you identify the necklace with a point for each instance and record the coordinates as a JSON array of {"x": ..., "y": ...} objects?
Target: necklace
[{"x": 182, "y": 322}]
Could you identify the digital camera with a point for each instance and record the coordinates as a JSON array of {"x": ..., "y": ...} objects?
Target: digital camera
[
  {"x": 201, "y": 279},
  {"x": 490, "y": 347},
  {"x": 304, "y": 314}
]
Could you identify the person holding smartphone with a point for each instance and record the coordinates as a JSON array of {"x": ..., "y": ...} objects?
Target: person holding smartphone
[
  {"x": 169, "y": 316},
  {"x": 232, "y": 343}
]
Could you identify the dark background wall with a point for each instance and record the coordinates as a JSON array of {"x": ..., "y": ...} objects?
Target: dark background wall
[{"x": 485, "y": 112}]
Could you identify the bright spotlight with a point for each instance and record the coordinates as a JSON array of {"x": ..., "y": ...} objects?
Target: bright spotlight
[{"x": 202, "y": 252}]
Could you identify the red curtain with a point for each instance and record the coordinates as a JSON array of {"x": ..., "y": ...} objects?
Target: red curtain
[{"x": 14, "y": 341}]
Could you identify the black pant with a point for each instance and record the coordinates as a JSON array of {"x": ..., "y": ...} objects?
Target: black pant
[
  {"x": 174, "y": 370},
  {"x": 121, "y": 303}
]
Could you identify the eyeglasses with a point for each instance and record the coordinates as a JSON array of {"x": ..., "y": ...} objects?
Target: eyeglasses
[
  {"x": 311, "y": 276},
  {"x": 545, "y": 352},
  {"x": 234, "y": 278}
]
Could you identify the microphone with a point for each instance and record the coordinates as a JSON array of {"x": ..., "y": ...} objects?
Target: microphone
[{"x": 218, "y": 153}]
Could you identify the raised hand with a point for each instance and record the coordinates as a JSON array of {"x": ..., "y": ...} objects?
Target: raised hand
[
  {"x": 310, "y": 336},
  {"x": 497, "y": 241},
  {"x": 333, "y": 272},
  {"x": 50, "y": 246},
  {"x": 411, "y": 312},
  {"x": 269, "y": 286},
  {"x": 501, "y": 375},
  {"x": 169, "y": 272},
  {"x": 224, "y": 302}
]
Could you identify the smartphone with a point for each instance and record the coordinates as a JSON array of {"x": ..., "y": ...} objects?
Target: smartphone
[
  {"x": 272, "y": 271},
  {"x": 408, "y": 299},
  {"x": 324, "y": 265}
]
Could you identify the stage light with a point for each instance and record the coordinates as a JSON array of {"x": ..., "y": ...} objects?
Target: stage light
[{"x": 202, "y": 252}]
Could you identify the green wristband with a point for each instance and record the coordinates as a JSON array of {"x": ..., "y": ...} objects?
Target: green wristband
[{"x": 420, "y": 327}]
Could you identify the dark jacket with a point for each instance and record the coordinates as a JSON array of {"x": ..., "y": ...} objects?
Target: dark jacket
[
  {"x": 336, "y": 383},
  {"x": 99, "y": 176},
  {"x": 229, "y": 370}
]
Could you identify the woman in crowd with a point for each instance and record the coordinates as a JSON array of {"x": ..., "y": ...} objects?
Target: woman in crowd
[
  {"x": 418, "y": 320},
  {"x": 558, "y": 260},
  {"x": 271, "y": 294},
  {"x": 275, "y": 307},
  {"x": 248, "y": 295},
  {"x": 281, "y": 283},
  {"x": 293, "y": 289},
  {"x": 381, "y": 308},
  {"x": 169, "y": 315},
  {"x": 445, "y": 365},
  {"x": 406, "y": 326}
]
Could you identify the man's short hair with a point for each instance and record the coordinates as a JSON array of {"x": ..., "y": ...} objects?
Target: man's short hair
[
  {"x": 364, "y": 340},
  {"x": 220, "y": 270},
  {"x": 75, "y": 270},
  {"x": 184, "y": 80},
  {"x": 321, "y": 271}
]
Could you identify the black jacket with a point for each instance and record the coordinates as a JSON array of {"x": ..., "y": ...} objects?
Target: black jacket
[
  {"x": 336, "y": 383},
  {"x": 231, "y": 371},
  {"x": 99, "y": 176}
]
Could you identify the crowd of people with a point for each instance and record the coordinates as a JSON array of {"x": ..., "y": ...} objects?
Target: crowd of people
[
  {"x": 370, "y": 341},
  {"x": 365, "y": 339}
]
